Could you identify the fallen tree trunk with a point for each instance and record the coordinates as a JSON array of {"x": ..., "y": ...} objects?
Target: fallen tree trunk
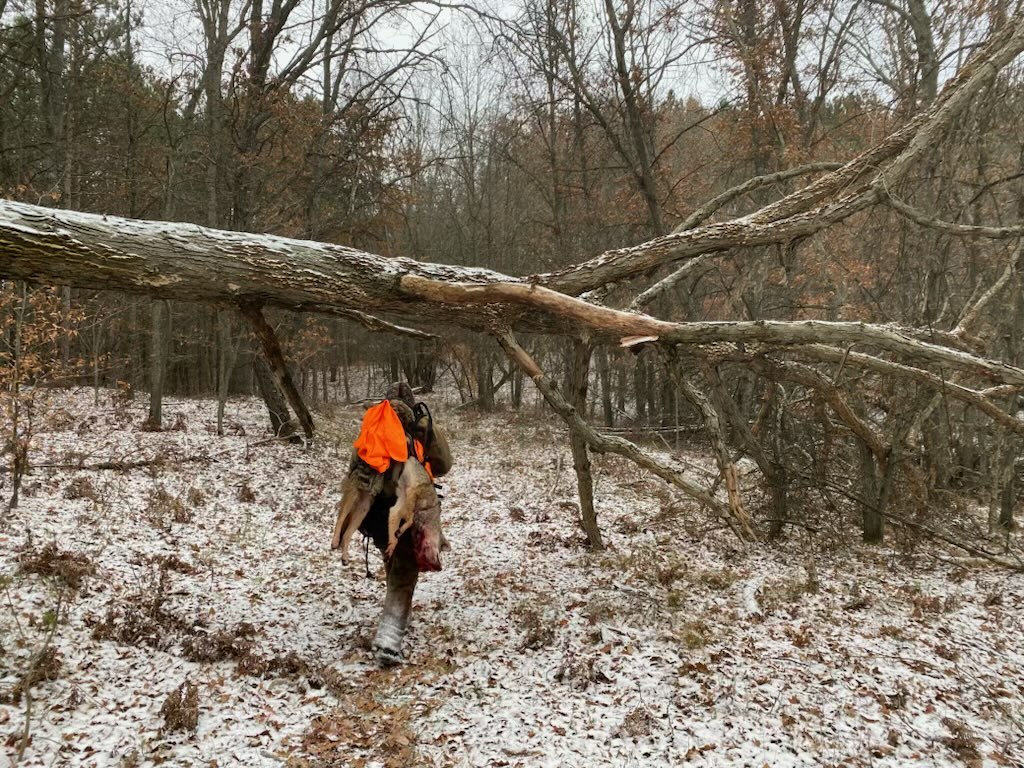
[
  {"x": 192, "y": 263},
  {"x": 615, "y": 323}
]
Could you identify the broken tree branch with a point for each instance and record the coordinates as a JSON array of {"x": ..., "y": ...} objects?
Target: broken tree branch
[
  {"x": 951, "y": 228},
  {"x": 607, "y": 443},
  {"x": 966, "y": 327},
  {"x": 807, "y": 210},
  {"x": 716, "y": 434},
  {"x": 613, "y": 322},
  {"x": 943, "y": 385},
  {"x": 714, "y": 204},
  {"x": 812, "y": 379},
  {"x": 372, "y": 323}
]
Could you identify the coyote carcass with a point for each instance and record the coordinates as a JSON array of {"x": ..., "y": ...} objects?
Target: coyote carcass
[{"x": 416, "y": 502}]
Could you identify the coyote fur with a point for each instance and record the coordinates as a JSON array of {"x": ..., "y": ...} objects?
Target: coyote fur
[
  {"x": 352, "y": 509},
  {"x": 415, "y": 492},
  {"x": 416, "y": 497}
]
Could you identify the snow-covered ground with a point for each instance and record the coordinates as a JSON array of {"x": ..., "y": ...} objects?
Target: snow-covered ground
[{"x": 212, "y": 566}]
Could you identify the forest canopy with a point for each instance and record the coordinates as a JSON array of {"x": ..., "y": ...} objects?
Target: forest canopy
[{"x": 792, "y": 227}]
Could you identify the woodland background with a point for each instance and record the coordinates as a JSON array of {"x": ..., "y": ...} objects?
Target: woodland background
[{"x": 526, "y": 137}]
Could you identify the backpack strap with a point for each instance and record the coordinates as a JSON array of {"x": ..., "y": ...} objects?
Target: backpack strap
[{"x": 420, "y": 410}]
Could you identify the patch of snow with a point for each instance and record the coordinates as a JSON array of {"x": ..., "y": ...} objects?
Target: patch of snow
[{"x": 672, "y": 647}]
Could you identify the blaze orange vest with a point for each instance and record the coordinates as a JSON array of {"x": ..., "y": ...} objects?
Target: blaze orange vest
[{"x": 382, "y": 439}]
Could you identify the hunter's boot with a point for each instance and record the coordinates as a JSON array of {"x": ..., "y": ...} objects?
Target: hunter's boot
[{"x": 402, "y": 573}]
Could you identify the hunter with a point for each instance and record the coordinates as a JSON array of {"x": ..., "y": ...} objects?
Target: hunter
[{"x": 404, "y": 567}]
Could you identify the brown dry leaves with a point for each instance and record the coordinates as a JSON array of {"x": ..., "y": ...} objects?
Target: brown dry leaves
[
  {"x": 383, "y": 732},
  {"x": 50, "y": 561}
]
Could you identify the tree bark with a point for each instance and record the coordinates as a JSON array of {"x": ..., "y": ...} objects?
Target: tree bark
[
  {"x": 280, "y": 417},
  {"x": 578, "y": 379},
  {"x": 774, "y": 471},
  {"x": 105, "y": 252},
  {"x": 726, "y": 467},
  {"x": 158, "y": 364},
  {"x": 278, "y": 368},
  {"x": 1008, "y": 502},
  {"x": 227, "y": 354},
  {"x": 605, "y": 378},
  {"x": 874, "y": 487},
  {"x": 484, "y": 379}
]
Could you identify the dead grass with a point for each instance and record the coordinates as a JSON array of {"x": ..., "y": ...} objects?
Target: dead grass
[
  {"x": 637, "y": 724},
  {"x": 668, "y": 573},
  {"x": 580, "y": 672},
  {"x": 779, "y": 593},
  {"x": 137, "y": 623},
  {"x": 243, "y": 649},
  {"x": 889, "y": 630},
  {"x": 50, "y": 561},
  {"x": 46, "y": 665},
  {"x": 642, "y": 563},
  {"x": 962, "y": 742},
  {"x": 142, "y": 618},
  {"x": 717, "y": 579},
  {"x": 801, "y": 636},
  {"x": 931, "y": 605},
  {"x": 601, "y": 609},
  {"x": 538, "y": 626},
  {"x": 81, "y": 488},
  {"x": 695, "y": 633},
  {"x": 227, "y": 644},
  {"x": 163, "y": 508},
  {"x": 181, "y": 709}
]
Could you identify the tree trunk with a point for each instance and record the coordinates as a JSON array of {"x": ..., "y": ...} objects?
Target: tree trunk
[
  {"x": 280, "y": 417},
  {"x": 344, "y": 371},
  {"x": 874, "y": 496},
  {"x": 96, "y": 364},
  {"x": 640, "y": 389},
  {"x": 278, "y": 367},
  {"x": 651, "y": 391},
  {"x": 607, "y": 443},
  {"x": 517, "y": 389},
  {"x": 419, "y": 365},
  {"x": 620, "y": 389},
  {"x": 716, "y": 434},
  {"x": 774, "y": 471},
  {"x": 484, "y": 380},
  {"x": 20, "y": 425},
  {"x": 65, "y": 336},
  {"x": 1008, "y": 503},
  {"x": 576, "y": 386},
  {"x": 228, "y": 353},
  {"x": 158, "y": 364},
  {"x": 605, "y": 377}
]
